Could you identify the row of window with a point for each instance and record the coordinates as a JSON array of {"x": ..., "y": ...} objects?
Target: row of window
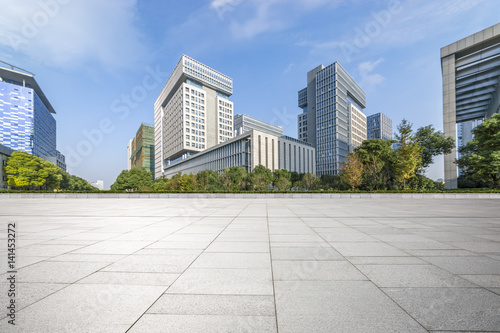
[
  {"x": 195, "y": 145},
  {"x": 196, "y": 93}
]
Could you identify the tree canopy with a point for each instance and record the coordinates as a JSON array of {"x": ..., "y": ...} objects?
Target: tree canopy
[
  {"x": 481, "y": 156},
  {"x": 133, "y": 179}
]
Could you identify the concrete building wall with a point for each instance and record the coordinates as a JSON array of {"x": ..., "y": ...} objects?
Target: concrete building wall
[
  {"x": 471, "y": 76},
  {"x": 357, "y": 127},
  {"x": 187, "y": 112},
  {"x": 296, "y": 156}
]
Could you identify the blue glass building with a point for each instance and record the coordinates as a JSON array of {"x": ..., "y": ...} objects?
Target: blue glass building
[
  {"x": 326, "y": 120},
  {"x": 26, "y": 120}
]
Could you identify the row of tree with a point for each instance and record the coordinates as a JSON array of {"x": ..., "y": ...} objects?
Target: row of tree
[
  {"x": 231, "y": 179},
  {"x": 375, "y": 165},
  {"x": 28, "y": 172}
]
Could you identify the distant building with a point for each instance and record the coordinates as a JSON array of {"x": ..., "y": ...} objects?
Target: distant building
[
  {"x": 464, "y": 135},
  {"x": 142, "y": 149},
  {"x": 245, "y": 123},
  {"x": 192, "y": 113},
  {"x": 325, "y": 121},
  {"x": 248, "y": 150},
  {"x": 129, "y": 154},
  {"x": 60, "y": 160},
  {"x": 26, "y": 116},
  {"x": 98, "y": 184},
  {"x": 357, "y": 127},
  {"x": 471, "y": 86},
  {"x": 379, "y": 126},
  {"x": 5, "y": 153}
]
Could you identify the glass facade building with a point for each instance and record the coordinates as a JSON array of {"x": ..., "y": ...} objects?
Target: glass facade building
[
  {"x": 143, "y": 148},
  {"x": 325, "y": 121},
  {"x": 379, "y": 126},
  {"x": 26, "y": 120}
]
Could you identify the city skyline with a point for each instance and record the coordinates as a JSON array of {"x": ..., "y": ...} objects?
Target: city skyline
[{"x": 104, "y": 84}]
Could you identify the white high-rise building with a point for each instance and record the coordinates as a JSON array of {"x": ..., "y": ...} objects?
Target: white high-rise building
[
  {"x": 192, "y": 113},
  {"x": 357, "y": 127}
]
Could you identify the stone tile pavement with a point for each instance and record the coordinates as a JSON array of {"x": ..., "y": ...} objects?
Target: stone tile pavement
[{"x": 252, "y": 265}]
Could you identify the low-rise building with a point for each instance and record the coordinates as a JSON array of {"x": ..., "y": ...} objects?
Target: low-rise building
[
  {"x": 248, "y": 150},
  {"x": 5, "y": 153}
]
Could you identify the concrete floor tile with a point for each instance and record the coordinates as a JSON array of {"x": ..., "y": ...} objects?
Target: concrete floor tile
[
  {"x": 312, "y": 253},
  {"x": 315, "y": 270},
  {"x": 231, "y": 305},
  {"x": 459, "y": 309},
  {"x": 411, "y": 276},
  {"x": 131, "y": 278},
  {"x": 91, "y": 308},
  {"x": 224, "y": 281},
  {"x": 219, "y": 246},
  {"x": 152, "y": 323},
  {"x": 466, "y": 265},
  {"x": 58, "y": 272},
  {"x": 338, "y": 306},
  {"x": 365, "y": 249},
  {"x": 233, "y": 260}
]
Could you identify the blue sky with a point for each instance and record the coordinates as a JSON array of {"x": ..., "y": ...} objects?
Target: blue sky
[{"x": 103, "y": 63}]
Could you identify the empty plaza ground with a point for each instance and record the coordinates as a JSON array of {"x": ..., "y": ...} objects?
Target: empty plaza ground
[{"x": 253, "y": 265}]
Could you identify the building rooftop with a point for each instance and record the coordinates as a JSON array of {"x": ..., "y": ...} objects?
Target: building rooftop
[{"x": 26, "y": 80}]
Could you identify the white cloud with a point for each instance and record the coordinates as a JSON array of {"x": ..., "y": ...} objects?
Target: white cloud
[
  {"x": 369, "y": 80},
  {"x": 71, "y": 33},
  {"x": 254, "y": 17},
  {"x": 289, "y": 68},
  {"x": 412, "y": 21}
]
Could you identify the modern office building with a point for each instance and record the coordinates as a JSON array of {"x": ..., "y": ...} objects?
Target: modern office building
[
  {"x": 5, "y": 153},
  {"x": 129, "y": 154},
  {"x": 379, "y": 126},
  {"x": 60, "y": 160},
  {"x": 142, "y": 149},
  {"x": 327, "y": 116},
  {"x": 192, "y": 113},
  {"x": 471, "y": 90},
  {"x": 357, "y": 127},
  {"x": 244, "y": 123},
  {"x": 248, "y": 150},
  {"x": 26, "y": 116}
]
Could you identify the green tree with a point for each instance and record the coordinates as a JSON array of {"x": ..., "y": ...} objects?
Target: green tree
[
  {"x": 133, "y": 179},
  {"x": 433, "y": 143},
  {"x": 282, "y": 184},
  {"x": 377, "y": 157},
  {"x": 352, "y": 171},
  {"x": 260, "y": 178},
  {"x": 481, "y": 156},
  {"x": 409, "y": 153},
  {"x": 308, "y": 181},
  {"x": 234, "y": 178},
  {"x": 187, "y": 183},
  {"x": 27, "y": 171},
  {"x": 208, "y": 180},
  {"x": 74, "y": 183}
]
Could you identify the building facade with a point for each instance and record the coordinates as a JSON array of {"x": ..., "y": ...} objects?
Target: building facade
[
  {"x": 248, "y": 150},
  {"x": 5, "y": 153},
  {"x": 26, "y": 117},
  {"x": 379, "y": 126},
  {"x": 244, "y": 123},
  {"x": 471, "y": 89},
  {"x": 357, "y": 127},
  {"x": 192, "y": 113},
  {"x": 142, "y": 149},
  {"x": 325, "y": 121}
]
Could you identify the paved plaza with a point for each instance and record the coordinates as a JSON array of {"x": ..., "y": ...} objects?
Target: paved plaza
[{"x": 252, "y": 265}]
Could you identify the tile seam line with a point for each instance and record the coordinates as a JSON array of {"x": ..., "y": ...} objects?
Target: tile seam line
[
  {"x": 76, "y": 282},
  {"x": 145, "y": 311},
  {"x": 369, "y": 280}
]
